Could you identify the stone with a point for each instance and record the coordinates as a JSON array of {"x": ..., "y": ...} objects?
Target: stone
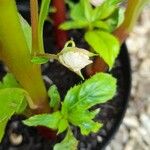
[
  {"x": 131, "y": 122},
  {"x": 122, "y": 136},
  {"x": 145, "y": 135},
  {"x": 145, "y": 120},
  {"x": 145, "y": 68},
  {"x": 16, "y": 139},
  {"x": 115, "y": 145}
]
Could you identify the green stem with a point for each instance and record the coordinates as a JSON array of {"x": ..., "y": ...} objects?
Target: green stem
[
  {"x": 132, "y": 13},
  {"x": 34, "y": 25},
  {"x": 15, "y": 54},
  {"x": 49, "y": 56}
]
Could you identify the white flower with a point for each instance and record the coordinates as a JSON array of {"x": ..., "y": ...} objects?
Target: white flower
[
  {"x": 96, "y": 2},
  {"x": 75, "y": 59}
]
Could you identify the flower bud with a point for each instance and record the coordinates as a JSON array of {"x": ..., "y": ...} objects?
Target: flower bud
[
  {"x": 96, "y": 2},
  {"x": 75, "y": 58}
]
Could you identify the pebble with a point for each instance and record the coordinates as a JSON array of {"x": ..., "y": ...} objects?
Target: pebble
[
  {"x": 131, "y": 122},
  {"x": 116, "y": 145},
  {"x": 144, "y": 134},
  {"x": 16, "y": 139},
  {"x": 145, "y": 68},
  {"x": 122, "y": 136},
  {"x": 145, "y": 120}
]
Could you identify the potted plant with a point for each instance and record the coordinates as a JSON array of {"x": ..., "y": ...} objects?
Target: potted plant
[{"x": 62, "y": 116}]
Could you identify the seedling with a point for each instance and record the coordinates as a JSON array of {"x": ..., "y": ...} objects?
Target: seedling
[{"x": 22, "y": 90}]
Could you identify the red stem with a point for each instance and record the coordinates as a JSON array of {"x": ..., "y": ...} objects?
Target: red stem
[{"x": 58, "y": 18}]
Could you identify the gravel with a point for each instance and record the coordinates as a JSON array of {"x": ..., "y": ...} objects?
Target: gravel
[{"x": 134, "y": 133}]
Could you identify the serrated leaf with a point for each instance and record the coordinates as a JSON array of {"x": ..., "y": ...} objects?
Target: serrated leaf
[
  {"x": 88, "y": 10},
  {"x": 85, "y": 115},
  {"x": 99, "y": 89},
  {"x": 96, "y": 90},
  {"x": 26, "y": 28},
  {"x": 54, "y": 97},
  {"x": 100, "y": 25},
  {"x": 85, "y": 122},
  {"x": 89, "y": 126},
  {"x": 70, "y": 99},
  {"x": 63, "y": 125},
  {"x": 39, "y": 60},
  {"x": 12, "y": 100},
  {"x": 77, "y": 12},
  {"x": 105, "y": 44},
  {"x": 69, "y": 143},
  {"x": 68, "y": 25},
  {"x": 105, "y": 10},
  {"x": 47, "y": 120},
  {"x": 9, "y": 81},
  {"x": 55, "y": 121},
  {"x": 115, "y": 19}
]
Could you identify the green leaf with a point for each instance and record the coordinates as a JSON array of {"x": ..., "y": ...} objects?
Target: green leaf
[
  {"x": 105, "y": 44},
  {"x": 47, "y": 120},
  {"x": 27, "y": 31},
  {"x": 114, "y": 2},
  {"x": 96, "y": 90},
  {"x": 121, "y": 16},
  {"x": 70, "y": 99},
  {"x": 44, "y": 10},
  {"x": 53, "y": 121},
  {"x": 12, "y": 100},
  {"x": 100, "y": 25},
  {"x": 77, "y": 12},
  {"x": 3, "y": 124},
  {"x": 9, "y": 81},
  {"x": 89, "y": 126},
  {"x": 88, "y": 10},
  {"x": 85, "y": 122},
  {"x": 63, "y": 125},
  {"x": 99, "y": 89},
  {"x": 105, "y": 10},
  {"x": 54, "y": 97},
  {"x": 70, "y": 4},
  {"x": 116, "y": 19},
  {"x": 68, "y": 25},
  {"x": 69, "y": 143},
  {"x": 39, "y": 60}
]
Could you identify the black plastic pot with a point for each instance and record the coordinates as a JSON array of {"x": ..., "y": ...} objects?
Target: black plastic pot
[{"x": 111, "y": 114}]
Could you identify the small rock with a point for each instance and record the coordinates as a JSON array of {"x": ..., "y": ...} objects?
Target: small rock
[
  {"x": 145, "y": 68},
  {"x": 131, "y": 122},
  {"x": 129, "y": 145},
  {"x": 99, "y": 139},
  {"x": 108, "y": 148},
  {"x": 15, "y": 139},
  {"x": 115, "y": 145},
  {"x": 144, "y": 134},
  {"x": 145, "y": 120},
  {"x": 122, "y": 136},
  {"x": 148, "y": 109}
]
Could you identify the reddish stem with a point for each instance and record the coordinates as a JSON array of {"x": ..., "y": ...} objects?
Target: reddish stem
[
  {"x": 58, "y": 18},
  {"x": 98, "y": 66},
  {"x": 47, "y": 133}
]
